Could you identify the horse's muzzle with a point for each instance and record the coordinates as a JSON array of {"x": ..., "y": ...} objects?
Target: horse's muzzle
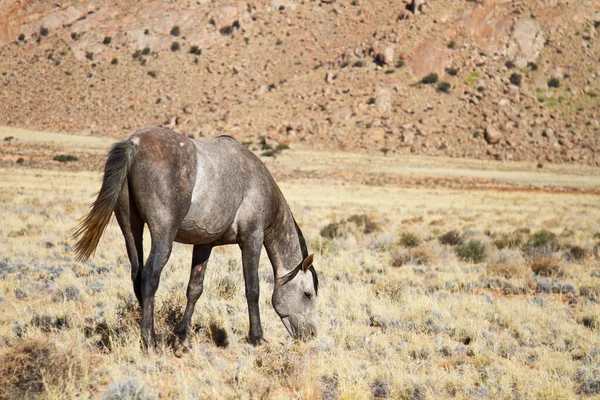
[{"x": 299, "y": 328}]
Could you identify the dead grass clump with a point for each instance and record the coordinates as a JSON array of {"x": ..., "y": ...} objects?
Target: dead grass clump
[
  {"x": 408, "y": 239},
  {"x": 451, "y": 238},
  {"x": 332, "y": 231},
  {"x": 512, "y": 240},
  {"x": 227, "y": 287},
  {"x": 473, "y": 250},
  {"x": 35, "y": 366},
  {"x": 591, "y": 321},
  {"x": 577, "y": 252},
  {"x": 417, "y": 256},
  {"x": 364, "y": 223},
  {"x": 324, "y": 246},
  {"x": 506, "y": 270},
  {"x": 279, "y": 362},
  {"x": 394, "y": 289},
  {"x": 170, "y": 312},
  {"x": 545, "y": 266}
]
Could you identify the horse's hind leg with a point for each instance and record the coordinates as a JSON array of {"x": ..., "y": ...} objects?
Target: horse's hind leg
[
  {"x": 132, "y": 227},
  {"x": 194, "y": 291}
]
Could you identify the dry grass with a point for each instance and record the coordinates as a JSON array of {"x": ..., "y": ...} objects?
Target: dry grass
[
  {"x": 437, "y": 327},
  {"x": 37, "y": 366},
  {"x": 545, "y": 265},
  {"x": 507, "y": 271}
]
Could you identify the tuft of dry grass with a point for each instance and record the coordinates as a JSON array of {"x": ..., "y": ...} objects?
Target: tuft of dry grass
[
  {"x": 506, "y": 270},
  {"x": 451, "y": 238},
  {"x": 37, "y": 365},
  {"x": 545, "y": 266}
]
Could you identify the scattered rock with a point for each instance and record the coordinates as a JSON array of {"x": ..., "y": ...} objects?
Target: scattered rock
[
  {"x": 383, "y": 99},
  {"x": 492, "y": 135}
]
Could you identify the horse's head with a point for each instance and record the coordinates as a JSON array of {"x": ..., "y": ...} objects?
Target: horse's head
[{"x": 295, "y": 299}]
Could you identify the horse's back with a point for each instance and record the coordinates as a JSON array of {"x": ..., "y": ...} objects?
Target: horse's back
[{"x": 213, "y": 190}]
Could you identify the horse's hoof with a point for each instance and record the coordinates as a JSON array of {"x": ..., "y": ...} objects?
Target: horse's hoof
[
  {"x": 257, "y": 341},
  {"x": 181, "y": 347}
]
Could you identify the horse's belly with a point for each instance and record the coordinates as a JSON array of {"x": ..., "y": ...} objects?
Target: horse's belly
[{"x": 197, "y": 230}]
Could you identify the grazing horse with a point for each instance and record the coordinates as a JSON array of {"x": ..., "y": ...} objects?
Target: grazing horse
[{"x": 207, "y": 194}]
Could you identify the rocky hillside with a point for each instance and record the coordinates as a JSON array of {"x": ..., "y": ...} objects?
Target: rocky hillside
[{"x": 510, "y": 80}]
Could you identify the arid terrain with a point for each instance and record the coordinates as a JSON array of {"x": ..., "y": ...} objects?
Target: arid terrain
[
  {"x": 440, "y": 156},
  {"x": 440, "y": 278},
  {"x": 483, "y": 79}
]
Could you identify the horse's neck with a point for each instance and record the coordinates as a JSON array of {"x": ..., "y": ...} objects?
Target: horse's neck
[{"x": 283, "y": 244}]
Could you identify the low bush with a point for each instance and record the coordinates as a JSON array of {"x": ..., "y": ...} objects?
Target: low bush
[
  {"x": 451, "y": 238},
  {"x": 473, "y": 250},
  {"x": 430, "y": 79}
]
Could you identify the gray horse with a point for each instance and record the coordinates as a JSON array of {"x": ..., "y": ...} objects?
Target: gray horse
[{"x": 207, "y": 194}]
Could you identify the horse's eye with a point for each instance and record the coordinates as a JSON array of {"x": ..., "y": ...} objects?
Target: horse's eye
[{"x": 308, "y": 295}]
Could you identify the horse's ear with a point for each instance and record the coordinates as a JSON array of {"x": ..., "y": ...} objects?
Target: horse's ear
[{"x": 307, "y": 262}]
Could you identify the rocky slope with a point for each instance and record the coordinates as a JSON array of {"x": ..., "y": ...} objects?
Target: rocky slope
[{"x": 516, "y": 80}]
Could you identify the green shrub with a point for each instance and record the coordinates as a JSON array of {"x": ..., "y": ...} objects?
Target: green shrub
[
  {"x": 226, "y": 30},
  {"x": 430, "y": 79},
  {"x": 107, "y": 40},
  {"x": 43, "y": 31},
  {"x": 152, "y": 74},
  {"x": 515, "y": 79},
  {"x": 400, "y": 63},
  {"x": 195, "y": 50},
  {"x": 74, "y": 35},
  {"x": 64, "y": 158},
  {"x": 175, "y": 46},
  {"x": 510, "y": 64},
  {"x": 114, "y": 61},
  {"x": 409, "y": 240},
  {"x": 444, "y": 87},
  {"x": 146, "y": 51},
  {"x": 359, "y": 64},
  {"x": 451, "y": 44},
  {"x": 452, "y": 71},
  {"x": 541, "y": 242},
  {"x": 473, "y": 250},
  {"x": 533, "y": 66},
  {"x": 175, "y": 31},
  {"x": 554, "y": 82},
  {"x": 21, "y": 37}
]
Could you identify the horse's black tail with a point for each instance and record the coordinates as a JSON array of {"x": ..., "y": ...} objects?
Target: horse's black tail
[{"x": 90, "y": 228}]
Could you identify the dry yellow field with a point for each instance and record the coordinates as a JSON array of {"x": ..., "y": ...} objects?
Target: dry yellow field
[{"x": 439, "y": 278}]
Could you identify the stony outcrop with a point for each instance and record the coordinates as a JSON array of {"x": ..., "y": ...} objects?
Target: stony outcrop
[{"x": 330, "y": 75}]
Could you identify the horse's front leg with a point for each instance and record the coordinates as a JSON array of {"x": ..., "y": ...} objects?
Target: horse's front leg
[{"x": 251, "y": 248}]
